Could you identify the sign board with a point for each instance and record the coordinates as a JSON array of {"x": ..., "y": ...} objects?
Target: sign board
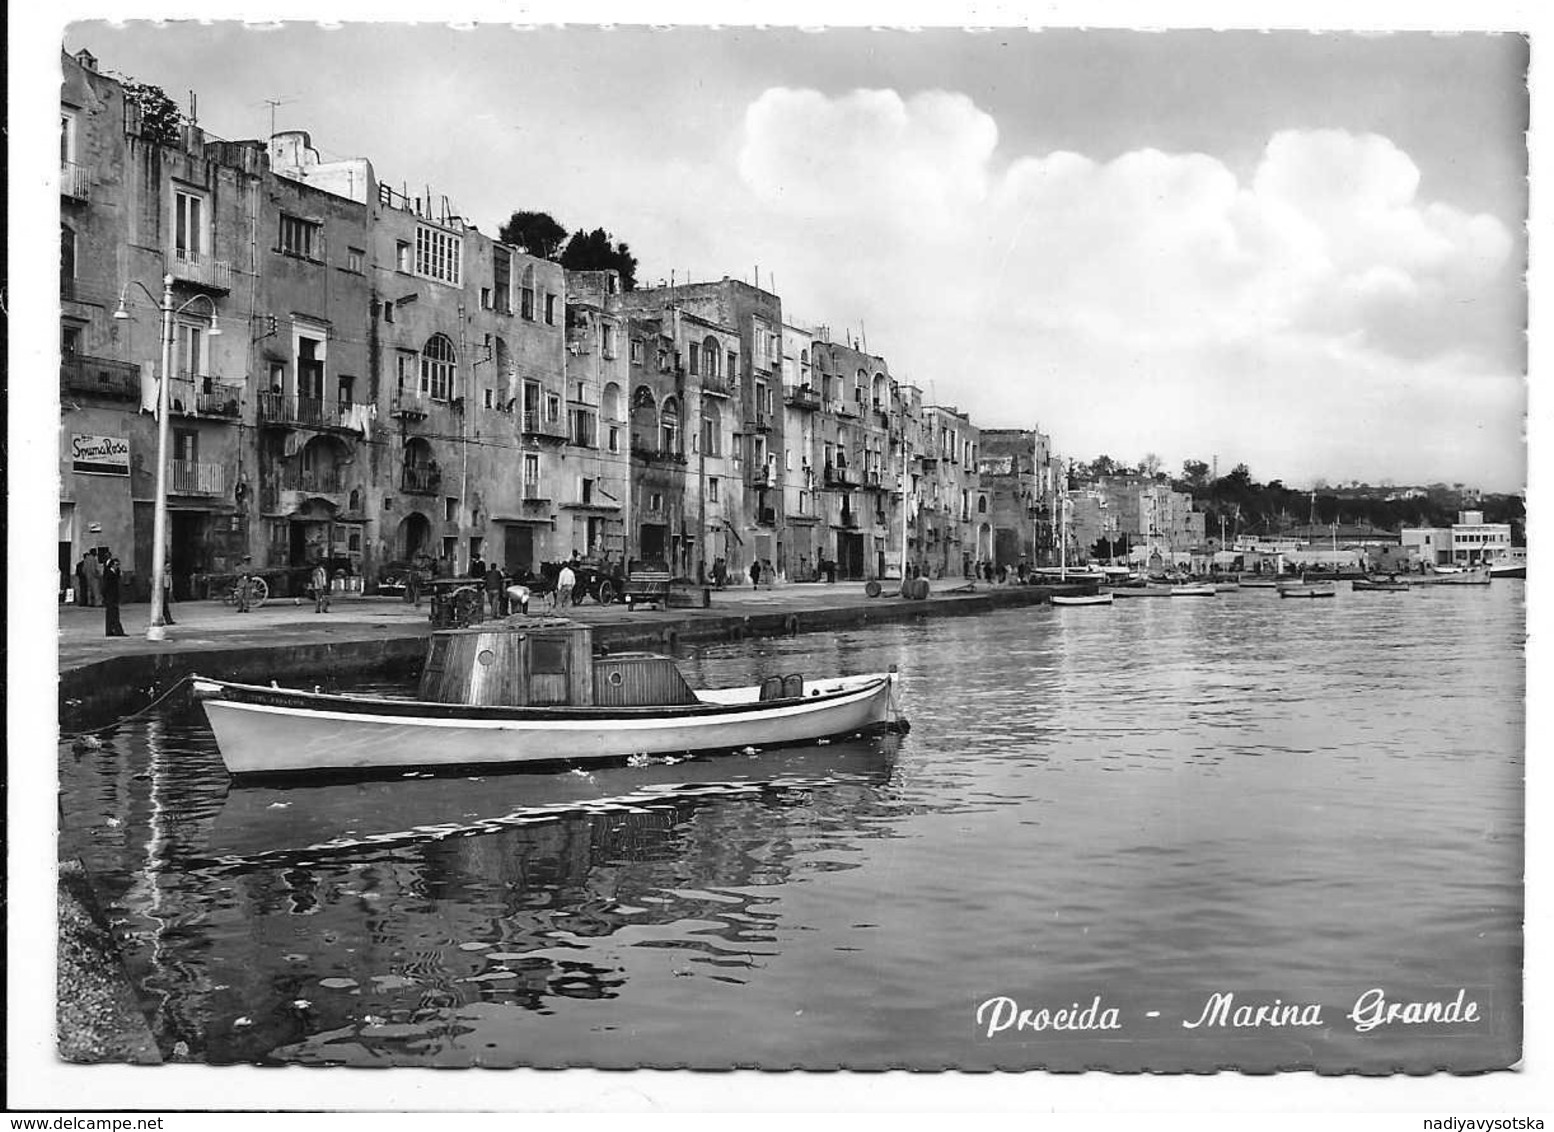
[{"x": 100, "y": 455}]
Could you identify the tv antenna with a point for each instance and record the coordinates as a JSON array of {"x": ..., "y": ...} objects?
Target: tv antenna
[{"x": 272, "y": 103}]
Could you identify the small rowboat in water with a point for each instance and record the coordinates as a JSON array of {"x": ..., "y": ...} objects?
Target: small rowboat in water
[
  {"x": 1081, "y": 599},
  {"x": 520, "y": 692},
  {"x": 1310, "y": 589},
  {"x": 1194, "y": 589},
  {"x": 1377, "y": 585}
]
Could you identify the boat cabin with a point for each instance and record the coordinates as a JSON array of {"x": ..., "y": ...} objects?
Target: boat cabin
[{"x": 529, "y": 662}]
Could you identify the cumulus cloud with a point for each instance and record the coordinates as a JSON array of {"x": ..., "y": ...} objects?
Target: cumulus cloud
[{"x": 1003, "y": 278}]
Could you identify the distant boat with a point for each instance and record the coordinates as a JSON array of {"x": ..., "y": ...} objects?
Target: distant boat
[
  {"x": 1081, "y": 599},
  {"x": 1378, "y": 585},
  {"x": 1310, "y": 589},
  {"x": 1453, "y": 576},
  {"x": 1194, "y": 589},
  {"x": 1512, "y": 564},
  {"x": 1258, "y": 583}
]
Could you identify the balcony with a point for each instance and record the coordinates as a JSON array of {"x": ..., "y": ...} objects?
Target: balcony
[
  {"x": 801, "y": 397},
  {"x": 314, "y": 481},
  {"x": 306, "y": 412},
  {"x": 407, "y": 408},
  {"x": 188, "y": 478},
  {"x": 418, "y": 479},
  {"x": 534, "y": 494},
  {"x": 536, "y": 423},
  {"x": 766, "y": 517},
  {"x": 717, "y": 386},
  {"x": 75, "y": 181},
  {"x": 188, "y": 266},
  {"x": 201, "y": 395},
  {"x": 760, "y": 422},
  {"x": 759, "y": 477},
  {"x": 837, "y": 475},
  {"x": 99, "y": 377},
  {"x": 656, "y": 455}
]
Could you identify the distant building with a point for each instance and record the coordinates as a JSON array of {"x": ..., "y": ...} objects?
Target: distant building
[{"x": 1467, "y": 542}]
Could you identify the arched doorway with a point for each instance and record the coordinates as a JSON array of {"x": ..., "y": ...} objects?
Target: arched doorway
[{"x": 413, "y": 537}]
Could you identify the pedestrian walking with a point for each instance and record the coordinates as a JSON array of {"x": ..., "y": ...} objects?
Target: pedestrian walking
[
  {"x": 83, "y": 591},
  {"x": 111, "y": 582},
  {"x": 245, "y": 583},
  {"x": 496, "y": 585},
  {"x": 94, "y": 577},
  {"x": 477, "y": 566},
  {"x": 320, "y": 588},
  {"x": 755, "y": 574},
  {"x": 564, "y": 583},
  {"x": 167, "y": 595}
]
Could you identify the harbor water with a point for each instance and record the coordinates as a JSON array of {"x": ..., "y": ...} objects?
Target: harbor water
[{"x": 1162, "y": 814}]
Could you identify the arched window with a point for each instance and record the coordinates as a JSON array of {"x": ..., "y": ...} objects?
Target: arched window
[
  {"x": 669, "y": 426},
  {"x": 644, "y": 418},
  {"x": 610, "y": 403},
  {"x": 981, "y": 505},
  {"x": 437, "y": 362},
  {"x": 881, "y": 392},
  {"x": 711, "y": 429},
  {"x": 860, "y": 389},
  {"x": 711, "y": 353}
]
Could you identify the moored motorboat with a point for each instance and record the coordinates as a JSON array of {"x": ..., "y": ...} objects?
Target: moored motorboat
[
  {"x": 1379, "y": 585},
  {"x": 1081, "y": 599},
  {"x": 521, "y": 692},
  {"x": 1512, "y": 564},
  {"x": 1453, "y": 576}
]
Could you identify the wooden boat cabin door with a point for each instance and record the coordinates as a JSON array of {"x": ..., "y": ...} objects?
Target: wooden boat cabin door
[{"x": 516, "y": 666}]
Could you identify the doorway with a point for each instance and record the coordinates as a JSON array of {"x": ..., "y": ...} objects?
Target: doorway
[{"x": 518, "y": 548}]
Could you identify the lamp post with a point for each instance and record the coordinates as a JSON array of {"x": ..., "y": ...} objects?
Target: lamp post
[{"x": 157, "y": 629}]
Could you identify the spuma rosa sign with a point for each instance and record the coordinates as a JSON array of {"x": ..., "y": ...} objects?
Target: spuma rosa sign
[{"x": 100, "y": 455}]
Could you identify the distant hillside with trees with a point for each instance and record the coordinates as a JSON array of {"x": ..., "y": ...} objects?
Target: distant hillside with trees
[{"x": 1248, "y": 506}]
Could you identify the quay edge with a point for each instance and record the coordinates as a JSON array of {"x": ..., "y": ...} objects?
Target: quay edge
[{"x": 95, "y": 693}]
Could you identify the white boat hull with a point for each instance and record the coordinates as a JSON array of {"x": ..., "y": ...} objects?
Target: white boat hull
[
  {"x": 1081, "y": 599},
  {"x": 346, "y": 734}
]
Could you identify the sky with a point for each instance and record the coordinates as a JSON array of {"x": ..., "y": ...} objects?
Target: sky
[{"x": 1303, "y": 252}]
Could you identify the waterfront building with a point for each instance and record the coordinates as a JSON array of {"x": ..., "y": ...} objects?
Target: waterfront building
[
  {"x": 853, "y": 440},
  {"x": 1018, "y": 478},
  {"x": 802, "y": 456},
  {"x": 949, "y": 462},
  {"x": 593, "y": 513},
  {"x": 753, "y": 374},
  {"x": 1467, "y": 542}
]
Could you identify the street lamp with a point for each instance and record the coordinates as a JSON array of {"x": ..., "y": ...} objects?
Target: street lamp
[{"x": 157, "y": 629}]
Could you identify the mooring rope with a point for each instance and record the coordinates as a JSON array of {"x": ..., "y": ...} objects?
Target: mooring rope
[{"x": 179, "y": 683}]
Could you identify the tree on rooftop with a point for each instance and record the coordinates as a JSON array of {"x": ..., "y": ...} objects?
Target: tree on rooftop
[
  {"x": 160, "y": 120},
  {"x": 537, "y": 233},
  {"x": 596, "y": 251}
]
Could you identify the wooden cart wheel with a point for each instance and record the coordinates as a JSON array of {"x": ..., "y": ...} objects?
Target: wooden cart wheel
[
  {"x": 258, "y": 592},
  {"x": 466, "y": 606},
  {"x": 607, "y": 593}
]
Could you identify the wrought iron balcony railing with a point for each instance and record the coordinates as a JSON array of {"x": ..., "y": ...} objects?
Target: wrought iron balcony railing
[
  {"x": 99, "y": 377},
  {"x": 202, "y": 395},
  {"x": 312, "y": 412},
  {"x": 188, "y": 266},
  {"x": 75, "y": 180},
  {"x": 190, "y": 478}
]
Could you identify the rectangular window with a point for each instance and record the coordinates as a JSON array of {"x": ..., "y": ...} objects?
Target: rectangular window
[
  {"x": 189, "y": 343},
  {"x": 355, "y": 259},
  {"x": 550, "y": 309},
  {"x": 712, "y": 491},
  {"x": 584, "y": 428},
  {"x": 733, "y": 365},
  {"x": 402, "y": 255},
  {"x": 528, "y": 303},
  {"x": 711, "y": 441},
  {"x": 587, "y": 494},
  {"x": 636, "y": 351},
  {"x": 299, "y": 237},
  {"x": 502, "y": 280},
  {"x": 186, "y": 445},
  {"x": 485, "y": 298},
  {"x": 531, "y": 470},
  {"x": 450, "y": 508},
  {"x": 490, "y": 398},
  {"x": 552, "y": 408},
  {"x": 615, "y": 439},
  {"x": 438, "y": 254},
  {"x": 656, "y": 501},
  {"x": 695, "y": 359},
  {"x": 69, "y": 339},
  {"x": 609, "y": 340},
  {"x": 277, "y": 377},
  {"x": 188, "y": 227},
  {"x": 388, "y": 310},
  {"x": 405, "y": 373}
]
